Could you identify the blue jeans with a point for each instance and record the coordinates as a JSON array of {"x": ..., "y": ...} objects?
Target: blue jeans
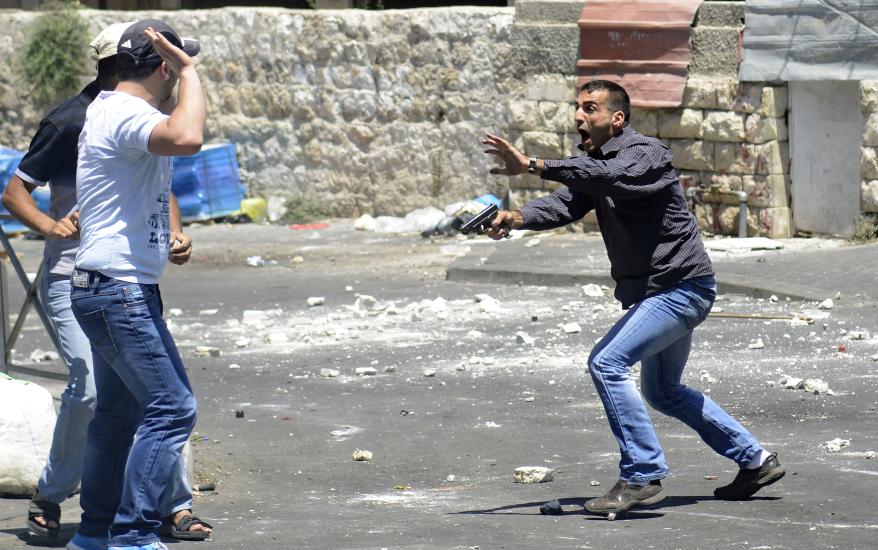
[
  {"x": 145, "y": 409},
  {"x": 63, "y": 470},
  {"x": 657, "y": 331}
]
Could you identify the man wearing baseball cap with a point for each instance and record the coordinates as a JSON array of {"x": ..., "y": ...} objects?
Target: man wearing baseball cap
[
  {"x": 145, "y": 406},
  {"x": 51, "y": 160}
]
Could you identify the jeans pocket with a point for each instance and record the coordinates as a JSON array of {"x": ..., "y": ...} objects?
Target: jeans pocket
[
  {"x": 699, "y": 306},
  {"x": 94, "y": 325},
  {"x": 134, "y": 294}
]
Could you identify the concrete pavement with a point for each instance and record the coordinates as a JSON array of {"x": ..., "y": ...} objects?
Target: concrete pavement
[{"x": 804, "y": 269}]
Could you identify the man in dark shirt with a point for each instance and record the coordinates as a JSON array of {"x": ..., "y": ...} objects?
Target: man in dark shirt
[{"x": 664, "y": 279}]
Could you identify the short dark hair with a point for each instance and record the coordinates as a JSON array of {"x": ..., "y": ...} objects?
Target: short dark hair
[
  {"x": 138, "y": 72},
  {"x": 617, "y": 97}
]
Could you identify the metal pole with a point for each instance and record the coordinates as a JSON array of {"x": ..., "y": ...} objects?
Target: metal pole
[{"x": 742, "y": 214}]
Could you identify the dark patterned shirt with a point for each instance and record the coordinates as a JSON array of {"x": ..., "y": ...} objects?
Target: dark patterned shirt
[{"x": 651, "y": 237}]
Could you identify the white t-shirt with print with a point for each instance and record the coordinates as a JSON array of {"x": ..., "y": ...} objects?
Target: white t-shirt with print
[{"x": 123, "y": 191}]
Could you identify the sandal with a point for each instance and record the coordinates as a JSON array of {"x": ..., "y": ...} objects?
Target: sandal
[
  {"x": 181, "y": 529},
  {"x": 49, "y": 511}
]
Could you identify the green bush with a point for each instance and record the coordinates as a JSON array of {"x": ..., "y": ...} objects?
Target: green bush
[
  {"x": 304, "y": 209},
  {"x": 867, "y": 228},
  {"x": 52, "y": 60}
]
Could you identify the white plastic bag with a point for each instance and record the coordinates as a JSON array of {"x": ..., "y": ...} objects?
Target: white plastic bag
[{"x": 27, "y": 422}]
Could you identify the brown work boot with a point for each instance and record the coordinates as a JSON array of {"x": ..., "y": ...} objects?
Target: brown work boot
[
  {"x": 747, "y": 482},
  {"x": 624, "y": 496}
]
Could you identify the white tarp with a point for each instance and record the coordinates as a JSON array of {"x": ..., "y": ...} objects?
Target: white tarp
[{"x": 790, "y": 40}]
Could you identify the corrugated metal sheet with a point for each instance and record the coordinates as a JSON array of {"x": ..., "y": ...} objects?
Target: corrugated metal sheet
[
  {"x": 787, "y": 40},
  {"x": 641, "y": 44}
]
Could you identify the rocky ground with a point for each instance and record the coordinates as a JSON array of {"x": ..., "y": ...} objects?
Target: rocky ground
[{"x": 343, "y": 341}]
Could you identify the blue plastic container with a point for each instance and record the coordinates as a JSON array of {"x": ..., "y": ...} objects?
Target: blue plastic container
[
  {"x": 207, "y": 185},
  {"x": 9, "y": 159}
]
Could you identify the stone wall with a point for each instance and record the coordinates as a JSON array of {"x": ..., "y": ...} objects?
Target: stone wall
[
  {"x": 869, "y": 165},
  {"x": 377, "y": 112}
]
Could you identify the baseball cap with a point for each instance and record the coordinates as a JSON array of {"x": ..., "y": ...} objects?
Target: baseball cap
[
  {"x": 105, "y": 43},
  {"x": 135, "y": 48}
]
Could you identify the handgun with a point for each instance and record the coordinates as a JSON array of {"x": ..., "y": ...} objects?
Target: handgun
[{"x": 482, "y": 221}]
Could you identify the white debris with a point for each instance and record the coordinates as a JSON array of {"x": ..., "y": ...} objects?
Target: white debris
[
  {"x": 366, "y": 371},
  {"x": 259, "y": 317},
  {"x": 450, "y": 478},
  {"x": 348, "y": 288},
  {"x": 342, "y": 432},
  {"x": 826, "y": 304},
  {"x": 815, "y": 386},
  {"x": 790, "y": 382},
  {"x": 328, "y": 373},
  {"x": 295, "y": 260},
  {"x": 461, "y": 367},
  {"x": 524, "y": 338},
  {"x": 874, "y": 357},
  {"x": 38, "y": 356},
  {"x": 571, "y": 328},
  {"x": 276, "y": 338},
  {"x": 242, "y": 342},
  {"x": 592, "y": 290},
  {"x": 488, "y": 361},
  {"x": 870, "y": 455},
  {"x": 365, "y": 223},
  {"x": 475, "y": 360},
  {"x": 234, "y": 366},
  {"x": 316, "y": 301},
  {"x": 206, "y": 312},
  {"x": 207, "y": 351},
  {"x": 361, "y": 455},
  {"x": 175, "y": 312},
  {"x": 594, "y": 483},
  {"x": 774, "y": 298},
  {"x": 535, "y": 241},
  {"x": 255, "y": 261},
  {"x": 533, "y": 474},
  {"x": 857, "y": 335},
  {"x": 487, "y": 304},
  {"x": 798, "y": 322},
  {"x": 706, "y": 377},
  {"x": 473, "y": 334},
  {"x": 389, "y": 368},
  {"x": 529, "y": 399},
  {"x": 836, "y": 445},
  {"x": 756, "y": 344},
  {"x": 492, "y": 424},
  {"x": 430, "y": 373}
]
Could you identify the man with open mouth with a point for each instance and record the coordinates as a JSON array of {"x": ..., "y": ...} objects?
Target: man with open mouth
[{"x": 664, "y": 279}]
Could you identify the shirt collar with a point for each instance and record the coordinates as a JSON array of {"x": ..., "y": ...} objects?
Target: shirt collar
[
  {"x": 615, "y": 143},
  {"x": 92, "y": 90}
]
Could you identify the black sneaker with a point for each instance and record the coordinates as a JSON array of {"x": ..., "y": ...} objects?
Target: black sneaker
[
  {"x": 624, "y": 496},
  {"x": 747, "y": 482}
]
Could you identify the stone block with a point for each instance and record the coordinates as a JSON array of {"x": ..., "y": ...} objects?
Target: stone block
[
  {"x": 543, "y": 144},
  {"x": 869, "y": 163},
  {"x": 720, "y": 14},
  {"x": 692, "y": 154},
  {"x": 704, "y": 215},
  {"x": 774, "y": 101},
  {"x": 870, "y": 135},
  {"x": 749, "y": 98},
  {"x": 645, "y": 121},
  {"x": 727, "y": 94},
  {"x": 775, "y": 223},
  {"x": 714, "y": 51},
  {"x": 736, "y": 158},
  {"x": 760, "y": 129},
  {"x": 700, "y": 93},
  {"x": 550, "y": 87},
  {"x": 869, "y": 96},
  {"x": 726, "y": 185},
  {"x": 680, "y": 123},
  {"x": 550, "y": 11},
  {"x": 689, "y": 179},
  {"x": 571, "y": 144},
  {"x": 557, "y": 117},
  {"x": 524, "y": 115},
  {"x": 724, "y": 126},
  {"x": 767, "y": 191},
  {"x": 869, "y": 196},
  {"x": 545, "y": 48},
  {"x": 772, "y": 158}
]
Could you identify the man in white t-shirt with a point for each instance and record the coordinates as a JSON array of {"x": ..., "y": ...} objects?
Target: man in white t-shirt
[{"x": 145, "y": 406}]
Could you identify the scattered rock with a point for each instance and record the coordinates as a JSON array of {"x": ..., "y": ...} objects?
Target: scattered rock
[
  {"x": 836, "y": 445},
  {"x": 175, "y": 312},
  {"x": 756, "y": 344},
  {"x": 239, "y": 414},
  {"x": 295, "y": 260},
  {"x": 344, "y": 431},
  {"x": 328, "y": 373},
  {"x": 361, "y": 455},
  {"x": 551, "y": 508},
  {"x": 774, "y": 298},
  {"x": 790, "y": 382},
  {"x": 316, "y": 301},
  {"x": 594, "y": 483},
  {"x": 242, "y": 342},
  {"x": 870, "y": 455},
  {"x": 208, "y": 312},
  {"x": 826, "y": 304},
  {"x": 450, "y": 478},
  {"x": 234, "y": 366},
  {"x": 535, "y": 241},
  {"x": 207, "y": 351},
  {"x": 366, "y": 371},
  {"x": 524, "y": 338},
  {"x": 533, "y": 474},
  {"x": 571, "y": 328},
  {"x": 473, "y": 334},
  {"x": 706, "y": 377},
  {"x": 389, "y": 368},
  {"x": 592, "y": 290},
  {"x": 276, "y": 338},
  {"x": 711, "y": 477},
  {"x": 857, "y": 335},
  {"x": 815, "y": 386},
  {"x": 430, "y": 373},
  {"x": 39, "y": 356},
  {"x": 875, "y": 357},
  {"x": 255, "y": 261}
]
